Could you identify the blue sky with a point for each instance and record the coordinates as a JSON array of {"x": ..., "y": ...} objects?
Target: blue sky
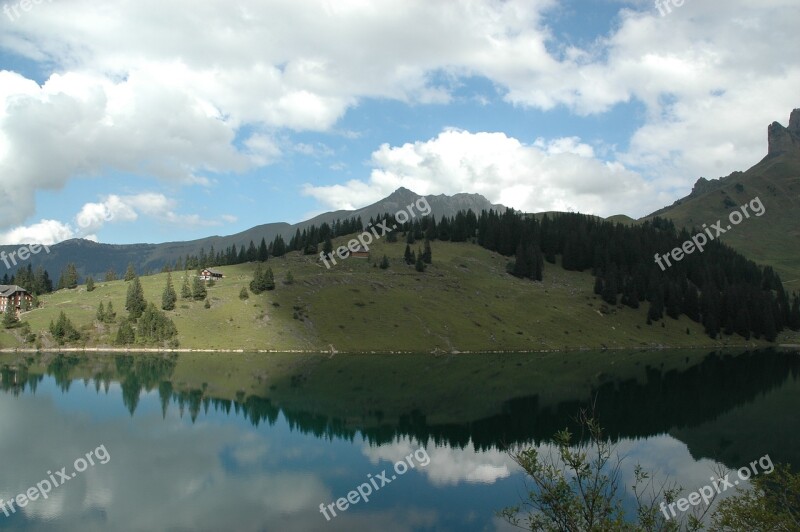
[{"x": 212, "y": 117}]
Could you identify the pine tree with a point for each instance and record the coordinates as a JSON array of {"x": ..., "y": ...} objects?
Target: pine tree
[
  {"x": 90, "y": 284},
  {"x": 110, "y": 314},
  {"x": 198, "y": 289},
  {"x": 125, "y": 334},
  {"x": 263, "y": 254},
  {"x": 134, "y": 302},
  {"x": 10, "y": 319},
  {"x": 130, "y": 273},
  {"x": 327, "y": 248},
  {"x": 289, "y": 278},
  {"x": 420, "y": 266},
  {"x": 69, "y": 277},
  {"x": 168, "y": 297},
  {"x": 384, "y": 263},
  {"x": 207, "y": 304},
  {"x": 408, "y": 254},
  {"x": 269, "y": 280},
  {"x": 257, "y": 285},
  {"x": 101, "y": 313},
  {"x": 186, "y": 290},
  {"x": 427, "y": 255},
  {"x": 243, "y": 294},
  {"x": 111, "y": 275}
]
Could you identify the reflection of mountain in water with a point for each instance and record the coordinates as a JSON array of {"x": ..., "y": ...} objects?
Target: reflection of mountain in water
[{"x": 676, "y": 401}]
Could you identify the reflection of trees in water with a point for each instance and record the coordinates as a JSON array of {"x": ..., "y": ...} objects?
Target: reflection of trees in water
[
  {"x": 17, "y": 379},
  {"x": 663, "y": 401},
  {"x": 626, "y": 409}
]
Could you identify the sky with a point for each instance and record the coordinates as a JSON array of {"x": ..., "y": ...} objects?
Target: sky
[{"x": 153, "y": 121}]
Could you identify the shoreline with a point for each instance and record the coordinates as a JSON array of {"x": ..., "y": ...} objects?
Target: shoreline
[{"x": 435, "y": 352}]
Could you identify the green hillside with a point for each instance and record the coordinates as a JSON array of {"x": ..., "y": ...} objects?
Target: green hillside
[
  {"x": 772, "y": 239},
  {"x": 465, "y": 301}
]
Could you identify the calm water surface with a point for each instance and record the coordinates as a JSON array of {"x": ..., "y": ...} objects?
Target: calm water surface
[{"x": 258, "y": 442}]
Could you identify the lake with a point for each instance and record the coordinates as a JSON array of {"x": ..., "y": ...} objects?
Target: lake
[{"x": 246, "y": 441}]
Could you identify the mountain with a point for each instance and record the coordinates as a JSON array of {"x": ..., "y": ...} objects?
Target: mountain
[
  {"x": 771, "y": 239},
  {"x": 92, "y": 258}
]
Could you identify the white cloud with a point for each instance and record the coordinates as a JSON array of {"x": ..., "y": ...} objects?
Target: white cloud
[
  {"x": 561, "y": 174},
  {"x": 45, "y": 232},
  {"x": 112, "y": 209},
  {"x": 142, "y": 94}
]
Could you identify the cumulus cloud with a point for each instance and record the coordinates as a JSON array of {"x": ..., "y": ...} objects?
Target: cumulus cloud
[
  {"x": 112, "y": 209},
  {"x": 144, "y": 95},
  {"x": 561, "y": 174},
  {"x": 46, "y": 232}
]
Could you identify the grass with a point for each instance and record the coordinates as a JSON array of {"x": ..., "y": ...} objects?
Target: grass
[
  {"x": 772, "y": 239},
  {"x": 465, "y": 301}
]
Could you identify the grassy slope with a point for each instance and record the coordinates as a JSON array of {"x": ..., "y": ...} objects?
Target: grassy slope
[
  {"x": 772, "y": 239},
  {"x": 465, "y": 301}
]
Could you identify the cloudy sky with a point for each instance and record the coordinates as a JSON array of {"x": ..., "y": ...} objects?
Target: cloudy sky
[{"x": 129, "y": 121}]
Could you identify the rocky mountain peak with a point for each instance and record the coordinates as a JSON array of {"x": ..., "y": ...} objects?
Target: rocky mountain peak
[{"x": 785, "y": 139}]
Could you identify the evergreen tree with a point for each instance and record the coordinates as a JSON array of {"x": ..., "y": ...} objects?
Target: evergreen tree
[
  {"x": 155, "y": 326},
  {"x": 289, "y": 278},
  {"x": 90, "y": 284},
  {"x": 408, "y": 255},
  {"x": 427, "y": 255},
  {"x": 410, "y": 237},
  {"x": 63, "y": 330},
  {"x": 198, "y": 289},
  {"x": 69, "y": 277},
  {"x": 263, "y": 254},
  {"x": 111, "y": 316},
  {"x": 186, "y": 290},
  {"x": 130, "y": 273},
  {"x": 111, "y": 275},
  {"x": 258, "y": 284},
  {"x": 207, "y": 304},
  {"x": 134, "y": 302},
  {"x": 420, "y": 265},
  {"x": 327, "y": 248},
  {"x": 278, "y": 247},
  {"x": 101, "y": 313},
  {"x": 269, "y": 279},
  {"x": 10, "y": 319},
  {"x": 384, "y": 263},
  {"x": 243, "y": 294},
  {"x": 125, "y": 334},
  {"x": 168, "y": 297}
]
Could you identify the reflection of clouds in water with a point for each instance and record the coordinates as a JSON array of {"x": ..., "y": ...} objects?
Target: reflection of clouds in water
[
  {"x": 172, "y": 478},
  {"x": 448, "y": 466}
]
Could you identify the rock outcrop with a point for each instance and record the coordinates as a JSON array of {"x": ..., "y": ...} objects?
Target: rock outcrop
[{"x": 785, "y": 139}]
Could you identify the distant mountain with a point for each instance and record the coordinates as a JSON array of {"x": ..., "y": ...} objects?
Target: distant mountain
[
  {"x": 92, "y": 258},
  {"x": 441, "y": 205},
  {"x": 772, "y": 239}
]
